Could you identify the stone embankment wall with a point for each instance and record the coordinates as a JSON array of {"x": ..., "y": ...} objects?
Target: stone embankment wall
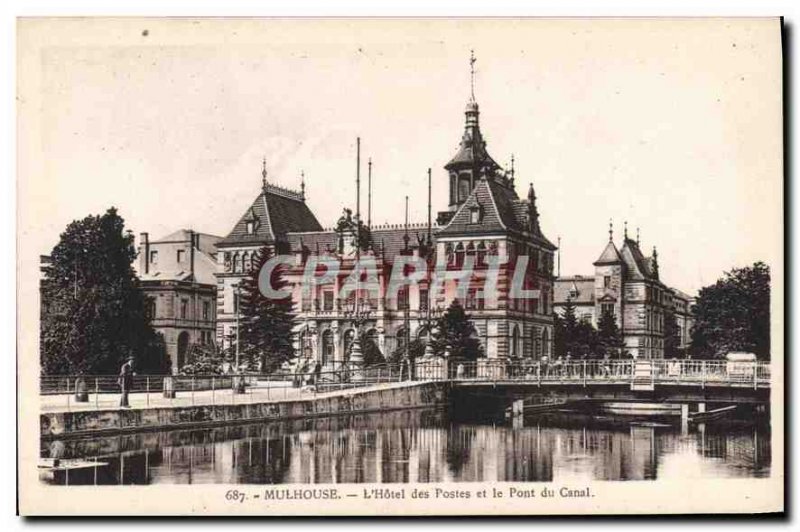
[{"x": 91, "y": 422}]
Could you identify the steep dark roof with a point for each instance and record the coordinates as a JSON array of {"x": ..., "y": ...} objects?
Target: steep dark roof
[
  {"x": 501, "y": 211},
  {"x": 610, "y": 255},
  {"x": 638, "y": 267},
  {"x": 276, "y": 212}
]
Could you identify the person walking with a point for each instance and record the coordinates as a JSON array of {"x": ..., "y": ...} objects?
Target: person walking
[{"x": 126, "y": 382}]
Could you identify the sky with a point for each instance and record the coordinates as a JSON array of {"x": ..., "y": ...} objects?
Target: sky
[{"x": 671, "y": 125}]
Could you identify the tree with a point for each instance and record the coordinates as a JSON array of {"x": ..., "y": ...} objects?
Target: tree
[
  {"x": 672, "y": 336},
  {"x": 559, "y": 335},
  {"x": 94, "y": 315},
  {"x": 265, "y": 324},
  {"x": 609, "y": 336},
  {"x": 457, "y": 331},
  {"x": 573, "y": 337},
  {"x": 733, "y": 314}
]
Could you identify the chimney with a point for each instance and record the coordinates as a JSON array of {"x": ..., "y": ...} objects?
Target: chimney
[
  {"x": 144, "y": 252},
  {"x": 192, "y": 241}
]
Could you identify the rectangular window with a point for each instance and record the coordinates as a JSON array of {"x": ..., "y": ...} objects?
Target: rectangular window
[
  {"x": 327, "y": 300},
  {"x": 235, "y": 301},
  {"x": 607, "y": 308},
  {"x": 206, "y": 310},
  {"x": 154, "y": 257},
  {"x": 423, "y": 300},
  {"x": 184, "y": 308},
  {"x": 607, "y": 281},
  {"x": 471, "y": 300},
  {"x": 402, "y": 298},
  {"x": 181, "y": 254}
]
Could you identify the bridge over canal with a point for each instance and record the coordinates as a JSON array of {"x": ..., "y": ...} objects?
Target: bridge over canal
[{"x": 81, "y": 404}]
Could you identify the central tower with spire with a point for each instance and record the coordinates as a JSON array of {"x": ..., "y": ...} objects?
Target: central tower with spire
[{"x": 472, "y": 162}]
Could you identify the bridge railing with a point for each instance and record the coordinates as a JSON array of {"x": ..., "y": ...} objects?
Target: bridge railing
[
  {"x": 103, "y": 391},
  {"x": 689, "y": 372}
]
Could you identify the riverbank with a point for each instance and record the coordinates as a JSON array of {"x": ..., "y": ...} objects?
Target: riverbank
[{"x": 161, "y": 415}]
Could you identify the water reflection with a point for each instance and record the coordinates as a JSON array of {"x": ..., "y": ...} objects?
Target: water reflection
[{"x": 420, "y": 446}]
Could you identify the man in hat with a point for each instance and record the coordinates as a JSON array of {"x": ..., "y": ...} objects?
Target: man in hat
[{"x": 126, "y": 382}]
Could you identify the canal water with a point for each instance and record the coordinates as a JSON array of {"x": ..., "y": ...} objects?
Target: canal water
[{"x": 421, "y": 446}]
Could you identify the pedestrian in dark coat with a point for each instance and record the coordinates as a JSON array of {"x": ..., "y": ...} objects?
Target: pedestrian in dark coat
[{"x": 126, "y": 382}]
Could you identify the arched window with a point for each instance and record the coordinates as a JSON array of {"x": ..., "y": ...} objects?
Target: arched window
[
  {"x": 370, "y": 337},
  {"x": 448, "y": 252},
  {"x": 535, "y": 344},
  {"x": 327, "y": 347},
  {"x": 349, "y": 336},
  {"x": 183, "y": 349},
  {"x": 236, "y": 265},
  {"x": 459, "y": 255},
  {"x": 471, "y": 251},
  {"x": 481, "y": 255},
  {"x": 545, "y": 342},
  {"x": 515, "y": 351}
]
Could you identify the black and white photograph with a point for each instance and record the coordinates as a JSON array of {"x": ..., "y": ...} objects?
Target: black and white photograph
[{"x": 375, "y": 266}]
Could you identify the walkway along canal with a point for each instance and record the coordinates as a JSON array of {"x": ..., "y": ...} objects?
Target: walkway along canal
[{"x": 487, "y": 385}]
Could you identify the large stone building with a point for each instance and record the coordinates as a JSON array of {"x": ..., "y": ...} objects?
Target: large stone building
[
  {"x": 275, "y": 213},
  {"x": 485, "y": 221},
  {"x": 177, "y": 276},
  {"x": 626, "y": 283}
]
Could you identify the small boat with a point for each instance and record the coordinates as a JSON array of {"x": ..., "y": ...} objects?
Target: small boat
[{"x": 642, "y": 409}]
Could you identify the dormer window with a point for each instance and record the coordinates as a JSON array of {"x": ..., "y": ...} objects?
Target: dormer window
[
  {"x": 475, "y": 214},
  {"x": 251, "y": 226},
  {"x": 181, "y": 254}
]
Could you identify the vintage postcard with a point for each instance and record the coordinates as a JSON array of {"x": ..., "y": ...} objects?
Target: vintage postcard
[{"x": 400, "y": 266}]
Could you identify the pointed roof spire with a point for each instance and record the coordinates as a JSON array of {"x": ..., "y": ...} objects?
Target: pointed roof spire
[
  {"x": 610, "y": 230},
  {"x": 610, "y": 255},
  {"x": 472, "y": 75},
  {"x": 655, "y": 262},
  {"x": 303, "y": 184},
  {"x": 625, "y": 235},
  {"x": 637, "y": 234},
  {"x": 264, "y": 172}
]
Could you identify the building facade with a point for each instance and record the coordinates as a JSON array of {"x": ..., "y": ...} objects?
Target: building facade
[
  {"x": 177, "y": 276},
  {"x": 485, "y": 222},
  {"x": 626, "y": 284},
  {"x": 275, "y": 213}
]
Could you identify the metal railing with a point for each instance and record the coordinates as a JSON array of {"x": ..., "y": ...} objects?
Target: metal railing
[
  {"x": 103, "y": 391},
  {"x": 87, "y": 392},
  {"x": 688, "y": 372}
]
